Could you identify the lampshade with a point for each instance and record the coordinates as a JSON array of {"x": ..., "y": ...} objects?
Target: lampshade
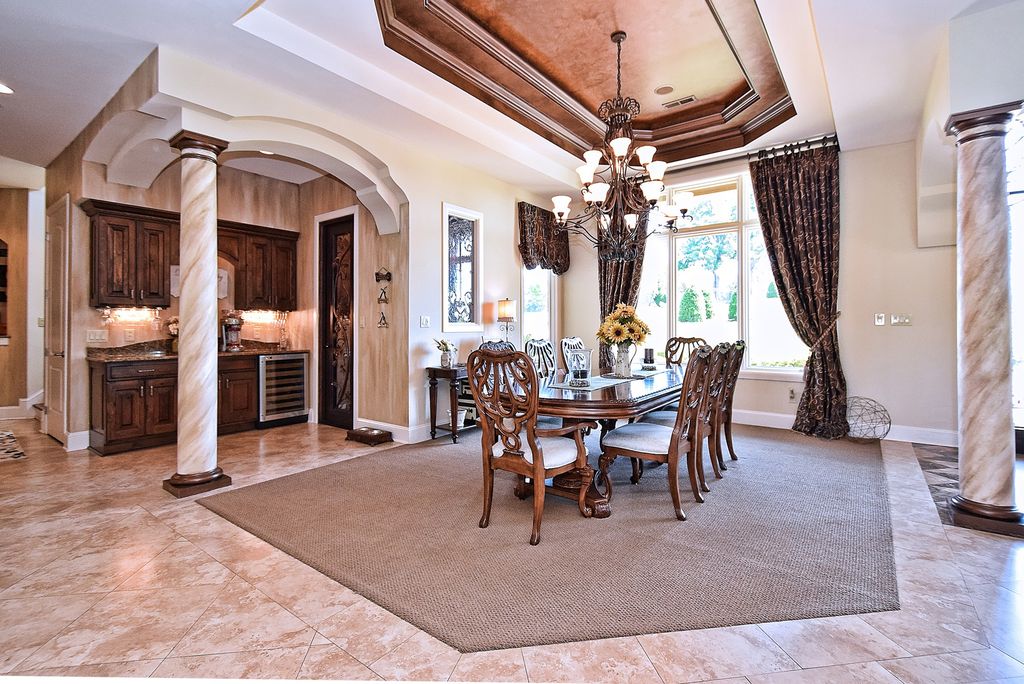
[
  {"x": 586, "y": 174},
  {"x": 506, "y": 310},
  {"x": 599, "y": 191},
  {"x": 651, "y": 190},
  {"x": 620, "y": 146},
  {"x": 669, "y": 211},
  {"x": 588, "y": 196},
  {"x": 645, "y": 153},
  {"x": 656, "y": 170},
  {"x": 630, "y": 220},
  {"x": 592, "y": 157},
  {"x": 683, "y": 199},
  {"x": 561, "y": 205}
]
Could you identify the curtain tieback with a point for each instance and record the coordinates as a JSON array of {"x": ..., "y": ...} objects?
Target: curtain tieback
[{"x": 828, "y": 331}]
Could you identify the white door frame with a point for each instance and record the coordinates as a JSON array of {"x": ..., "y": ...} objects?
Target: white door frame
[
  {"x": 62, "y": 208},
  {"x": 357, "y": 322}
]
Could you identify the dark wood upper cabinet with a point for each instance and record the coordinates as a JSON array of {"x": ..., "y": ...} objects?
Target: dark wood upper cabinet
[
  {"x": 153, "y": 265},
  {"x": 114, "y": 250},
  {"x": 284, "y": 286},
  {"x": 259, "y": 273}
]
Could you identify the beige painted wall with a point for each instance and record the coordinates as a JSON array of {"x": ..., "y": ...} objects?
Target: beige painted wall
[{"x": 14, "y": 231}]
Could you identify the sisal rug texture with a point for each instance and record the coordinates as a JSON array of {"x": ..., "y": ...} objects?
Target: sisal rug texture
[
  {"x": 9, "y": 447},
  {"x": 798, "y": 528}
]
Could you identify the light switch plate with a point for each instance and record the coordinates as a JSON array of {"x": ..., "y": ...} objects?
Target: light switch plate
[
  {"x": 424, "y": 321},
  {"x": 96, "y": 336},
  {"x": 899, "y": 319},
  {"x": 880, "y": 319},
  {"x": 129, "y": 334},
  {"x": 41, "y": 322}
]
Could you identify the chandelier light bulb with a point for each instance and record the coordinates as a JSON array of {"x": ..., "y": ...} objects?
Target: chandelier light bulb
[
  {"x": 620, "y": 146},
  {"x": 651, "y": 190},
  {"x": 586, "y": 174},
  {"x": 593, "y": 158},
  {"x": 599, "y": 191},
  {"x": 630, "y": 220},
  {"x": 656, "y": 170},
  {"x": 645, "y": 154}
]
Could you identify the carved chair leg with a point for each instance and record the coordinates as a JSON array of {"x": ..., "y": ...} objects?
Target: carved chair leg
[
  {"x": 638, "y": 470},
  {"x": 713, "y": 452},
  {"x": 485, "y": 520},
  {"x": 700, "y": 466},
  {"x": 717, "y": 435},
  {"x": 673, "y": 486},
  {"x": 604, "y": 463},
  {"x": 691, "y": 468},
  {"x": 587, "y": 476},
  {"x": 728, "y": 435},
  {"x": 538, "y": 510}
]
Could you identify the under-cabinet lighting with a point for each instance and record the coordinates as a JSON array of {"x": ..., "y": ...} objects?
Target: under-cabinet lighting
[
  {"x": 129, "y": 315},
  {"x": 262, "y": 316}
]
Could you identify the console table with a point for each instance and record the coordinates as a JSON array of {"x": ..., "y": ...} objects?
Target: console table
[{"x": 454, "y": 375}]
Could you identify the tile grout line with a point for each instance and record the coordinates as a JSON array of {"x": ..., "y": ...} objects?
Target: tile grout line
[
  {"x": 799, "y": 667},
  {"x": 196, "y": 621},
  {"x": 650, "y": 660},
  {"x": 306, "y": 654}
]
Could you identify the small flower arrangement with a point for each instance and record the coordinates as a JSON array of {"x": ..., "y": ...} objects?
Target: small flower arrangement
[
  {"x": 172, "y": 326},
  {"x": 444, "y": 345},
  {"x": 622, "y": 326}
]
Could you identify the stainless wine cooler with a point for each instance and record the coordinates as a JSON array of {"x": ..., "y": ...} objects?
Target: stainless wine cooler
[{"x": 282, "y": 389}]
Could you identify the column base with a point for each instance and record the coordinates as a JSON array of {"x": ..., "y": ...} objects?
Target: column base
[
  {"x": 985, "y": 517},
  {"x": 196, "y": 483}
]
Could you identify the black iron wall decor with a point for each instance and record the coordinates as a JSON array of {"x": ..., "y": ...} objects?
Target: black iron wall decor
[{"x": 383, "y": 276}]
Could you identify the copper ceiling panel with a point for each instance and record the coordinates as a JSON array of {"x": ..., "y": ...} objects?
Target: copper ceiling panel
[{"x": 548, "y": 64}]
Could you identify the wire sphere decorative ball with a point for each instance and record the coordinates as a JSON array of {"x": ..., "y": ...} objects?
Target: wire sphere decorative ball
[{"x": 868, "y": 419}]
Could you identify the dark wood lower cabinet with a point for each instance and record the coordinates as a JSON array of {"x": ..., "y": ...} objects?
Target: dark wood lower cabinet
[{"x": 134, "y": 404}]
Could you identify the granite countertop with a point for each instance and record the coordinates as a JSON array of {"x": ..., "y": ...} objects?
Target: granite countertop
[{"x": 158, "y": 350}]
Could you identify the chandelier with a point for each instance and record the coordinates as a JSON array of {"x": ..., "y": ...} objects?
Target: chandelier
[{"x": 620, "y": 195}]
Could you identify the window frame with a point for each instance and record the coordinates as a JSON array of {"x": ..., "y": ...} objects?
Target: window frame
[
  {"x": 477, "y": 218},
  {"x": 552, "y": 303},
  {"x": 745, "y": 221}
]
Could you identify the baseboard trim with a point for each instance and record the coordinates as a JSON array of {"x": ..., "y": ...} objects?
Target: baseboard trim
[
  {"x": 401, "y": 433},
  {"x": 898, "y": 433},
  {"x": 77, "y": 441},
  {"x": 23, "y": 409}
]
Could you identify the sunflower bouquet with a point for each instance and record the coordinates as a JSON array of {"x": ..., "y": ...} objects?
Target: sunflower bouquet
[{"x": 622, "y": 327}]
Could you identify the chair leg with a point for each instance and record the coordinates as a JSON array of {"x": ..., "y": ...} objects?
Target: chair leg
[
  {"x": 538, "y": 510},
  {"x": 699, "y": 448},
  {"x": 713, "y": 452},
  {"x": 638, "y": 470},
  {"x": 719, "y": 451},
  {"x": 485, "y": 520},
  {"x": 673, "y": 486},
  {"x": 728, "y": 436},
  {"x": 691, "y": 468}
]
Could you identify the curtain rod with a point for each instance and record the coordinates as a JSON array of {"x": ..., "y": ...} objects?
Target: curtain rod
[
  {"x": 811, "y": 142},
  {"x": 788, "y": 148}
]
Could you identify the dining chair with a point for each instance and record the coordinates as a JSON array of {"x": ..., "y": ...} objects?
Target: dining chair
[
  {"x": 570, "y": 344},
  {"x": 678, "y": 349},
  {"x": 666, "y": 444},
  {"x": 505, "y": 387},
  {"x": 723, "y": 417},
  {"x": 497, "y": 345},
  {"x": 704, "y": 429},
  {"x": 543, "y": 356},
  {"x": 465, "y": 397}
]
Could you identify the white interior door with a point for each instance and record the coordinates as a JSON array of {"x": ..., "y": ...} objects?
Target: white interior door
[{"x": 55, "y": 313}]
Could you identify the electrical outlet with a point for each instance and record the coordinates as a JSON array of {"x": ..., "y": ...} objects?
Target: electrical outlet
[
  {"x": 899, "y": 319},
  {"x": 129, "y": 334},
  {"x": 41, "y": 322},
  {"x": 880, "y": 319},
  {"x": 424, "y": 321}
]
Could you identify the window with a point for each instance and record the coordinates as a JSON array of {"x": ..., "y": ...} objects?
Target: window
[
  {"x": 461, "y": 298},
  {"x": 538, "y": 310},
  {"x": 713, "y": 280}
]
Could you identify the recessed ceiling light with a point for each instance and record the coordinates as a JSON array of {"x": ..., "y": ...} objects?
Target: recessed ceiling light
[
  {"x": 265, "y": 152},
  {"x": 6, "y": 89},
  {"x": 663, "y": 90}
]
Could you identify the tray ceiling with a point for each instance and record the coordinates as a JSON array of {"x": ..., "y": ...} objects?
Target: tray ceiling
[{"x": 549, "y": 65}]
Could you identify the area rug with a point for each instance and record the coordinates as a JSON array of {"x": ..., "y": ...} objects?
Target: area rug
[
  {"x": 9, "y": 447},
  {"x": 798, "y": 528}
]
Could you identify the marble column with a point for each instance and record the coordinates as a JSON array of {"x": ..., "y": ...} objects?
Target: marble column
[
  {"x": 197, "y": 469},
  {"x": 986, "y": 441}
]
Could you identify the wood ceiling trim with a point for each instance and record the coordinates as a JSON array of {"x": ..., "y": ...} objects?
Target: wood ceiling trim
[{"x": 441, "y": 37}]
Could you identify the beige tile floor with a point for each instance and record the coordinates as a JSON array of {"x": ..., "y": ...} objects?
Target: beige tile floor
[{"x": 104, "y": 574}]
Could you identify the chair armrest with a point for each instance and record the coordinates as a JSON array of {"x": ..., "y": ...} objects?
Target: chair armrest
[{"x": 567, "y": 430}]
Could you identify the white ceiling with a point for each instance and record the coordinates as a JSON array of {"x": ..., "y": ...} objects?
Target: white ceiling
[{"x": 66, "y": 58}]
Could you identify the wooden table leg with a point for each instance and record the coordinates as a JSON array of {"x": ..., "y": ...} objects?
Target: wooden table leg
[
  {"x": 433, "y": 407},
  {"x": 568, "y": 485},
  {"x": 453, "y": 393}
]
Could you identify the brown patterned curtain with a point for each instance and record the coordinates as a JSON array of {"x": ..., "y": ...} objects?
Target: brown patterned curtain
[
  {"x": 797, "y": 194},
  {"x": 619, "y": 281},
  {"x": 540, "y": 243}
]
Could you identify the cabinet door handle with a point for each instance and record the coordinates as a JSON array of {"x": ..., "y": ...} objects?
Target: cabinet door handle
[
  {"x": 150, "y": 390},
  {"x": 227, "y": 383},
  {"x": 145, "y": 370},
  {"x": 142, "y": 390},
  {"x": 132, "y": 295}
]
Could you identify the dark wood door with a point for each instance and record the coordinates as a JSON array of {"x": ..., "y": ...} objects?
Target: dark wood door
[
  {"x": 161, "y": 405},
  {"x": 114, "y": 253},
  {"x": 239, "y": 397},
  {"x": 336, "y": 316},
  {"x": 284, "y": 274},
  {"x": 153, "y": 264},
  {"x": 126, "y": 409},
  {"x": 259, "y": 268}
]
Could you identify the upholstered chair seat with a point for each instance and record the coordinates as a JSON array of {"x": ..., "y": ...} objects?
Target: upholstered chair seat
[
  {"x": 646, "y": 437},
  {"x": 558, "y": 451}
]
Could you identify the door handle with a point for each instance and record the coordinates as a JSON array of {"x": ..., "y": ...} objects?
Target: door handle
[{"x": 59, "y": 355}]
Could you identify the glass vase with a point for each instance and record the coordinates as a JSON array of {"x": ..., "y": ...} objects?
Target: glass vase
[{"x": 623, "y": 360}]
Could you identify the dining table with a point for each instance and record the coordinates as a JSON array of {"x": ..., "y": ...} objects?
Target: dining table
[{"x": 609, "y": 401}]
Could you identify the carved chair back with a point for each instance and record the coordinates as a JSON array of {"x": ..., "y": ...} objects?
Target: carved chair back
[
  {"x": 692, "y": 396},
  {"x": 716, "y": 381},
  {"x": 497, "y": 345},
  {"x": 732, "y": 374},
  {"x": 678, "y": 349},
  {"x": 543, "y": 356},
  {"x": 570, "y": 344},
  {"x": 505, "y": 388}
]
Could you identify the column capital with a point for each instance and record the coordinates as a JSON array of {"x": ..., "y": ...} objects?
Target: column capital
[
  {"x": 207, "y": 146},
  {"x": 981, "y": 123}
]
